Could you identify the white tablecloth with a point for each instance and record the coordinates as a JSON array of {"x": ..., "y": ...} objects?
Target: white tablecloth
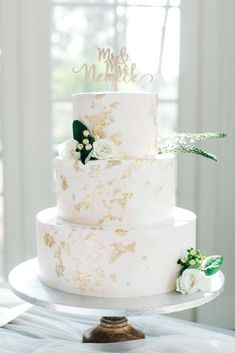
[{"x": 42, "y": 331}]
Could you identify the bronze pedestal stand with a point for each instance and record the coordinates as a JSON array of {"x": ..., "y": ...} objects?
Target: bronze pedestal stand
[{"x": 112, "y": 329}]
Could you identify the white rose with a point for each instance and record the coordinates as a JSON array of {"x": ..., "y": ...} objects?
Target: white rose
[
  {"x": 67, "y": 150},
  {"x": 205, "y": 283},
  {"x": 103, "y": 149},
  {"x": 191, "y": 281}
]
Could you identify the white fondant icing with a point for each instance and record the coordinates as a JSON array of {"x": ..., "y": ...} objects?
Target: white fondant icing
[
  {"x": 112, "y": 261},
  {"x": 126, "y": 118},
  {"x": 140, "y": 191}
]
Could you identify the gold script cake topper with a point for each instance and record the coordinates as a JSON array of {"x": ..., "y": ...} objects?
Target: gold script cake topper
[{"x": 117, "y": 68}]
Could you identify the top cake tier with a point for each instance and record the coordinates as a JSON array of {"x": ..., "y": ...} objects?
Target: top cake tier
[{"x": 128, "y": 119}]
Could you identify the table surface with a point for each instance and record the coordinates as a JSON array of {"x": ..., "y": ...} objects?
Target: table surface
[{"x": 42, "y": 331}]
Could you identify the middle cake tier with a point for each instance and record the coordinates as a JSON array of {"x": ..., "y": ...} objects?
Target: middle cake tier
[{"x": 114, "y": 192}]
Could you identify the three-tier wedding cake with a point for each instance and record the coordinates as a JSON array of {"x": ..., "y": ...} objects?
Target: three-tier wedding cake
[{"x": 115, "y": 231}]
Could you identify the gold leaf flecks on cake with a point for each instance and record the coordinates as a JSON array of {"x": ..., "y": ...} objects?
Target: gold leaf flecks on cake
[
  {"x": 99, "y": 96},
  {"x": 94, "y": 171},
  {"x": 113, "y": 277},
  {"x": 117, "y": 139},
  {"x": 114, "y": 105},
  {"x": 64, "y": 183},
  {"x": 110, "y": 182},
  {"x": 83, "y": 279},
  {"x": 99, "y": 122},
  {"x": 112, "y": 163},
  {"x": 77, "y": 207},
  {"x": 100, "y": 271},
  {"x": 49, "y": 239},
  {"x": 98, "y": 190},
  {"x": 121, "y": 232},
  {"x": 144, "y": 258},
  {"x": 94, "y": 257},
  {"x": 65, "y": 246},
  {"x": 87, "y": 203},
  {"x": 146, "y": 183},
  {"x": 116, "y": 191},
  {"x": 132, "y": 168},
  {"x": 98, "y": 283},
  {"x": 114, "y": 218},
  {"x": 76, "y": 166},
  {"x": 107, "y": 205},
  {"x": 76, "y": 260},
  {"x": 59, "y": 267},
  {"x": 90, "y": 239},
  {"x": 120, "y": 249},
  {"x": 123, "y": 200},
  {"x": 101, "y": 221}
]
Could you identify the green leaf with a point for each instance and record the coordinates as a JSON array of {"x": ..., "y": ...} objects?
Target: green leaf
[
  {"x": 212, "y": 264},
  {"x": 78, "y": 128}
]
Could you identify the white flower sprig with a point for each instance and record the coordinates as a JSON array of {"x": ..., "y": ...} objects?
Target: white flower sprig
[{"x": 181, "y": 142}]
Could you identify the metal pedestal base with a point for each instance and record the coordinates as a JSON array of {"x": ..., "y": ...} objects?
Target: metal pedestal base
[{"x": 112, "y": 329}]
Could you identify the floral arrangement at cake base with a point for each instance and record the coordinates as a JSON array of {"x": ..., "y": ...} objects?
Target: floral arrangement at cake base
[{"x": 196, "y": 271}]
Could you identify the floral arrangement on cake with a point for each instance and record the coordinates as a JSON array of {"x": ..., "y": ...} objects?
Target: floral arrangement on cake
[
  {"x": 196, "y": 269},
  {"x": 86, "y": 147}
]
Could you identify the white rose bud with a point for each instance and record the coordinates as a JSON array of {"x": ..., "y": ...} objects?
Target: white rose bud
[
  {"x": 86, "y": 133},
  {"x": 67, "y": 150},
  {"x": 103, "y": 149},
  {"x": 191, "y": 281},
  {"x": 80, "y": 146}
]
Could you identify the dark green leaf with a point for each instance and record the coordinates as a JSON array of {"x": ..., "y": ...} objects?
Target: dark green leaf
[
  {"x": 212, "y": 264},
  {"x": 78, "y": 128}
]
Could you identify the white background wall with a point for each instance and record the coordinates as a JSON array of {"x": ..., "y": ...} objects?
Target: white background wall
[{"x": 207, "y": 103}]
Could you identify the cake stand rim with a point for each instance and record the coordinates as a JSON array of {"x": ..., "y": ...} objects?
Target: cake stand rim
[{"x": 43, "y": 296}]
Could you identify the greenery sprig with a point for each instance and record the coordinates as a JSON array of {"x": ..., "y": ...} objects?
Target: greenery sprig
[
  {"x": 197, "y": 259},
  {"x": 181, "y": 142}
]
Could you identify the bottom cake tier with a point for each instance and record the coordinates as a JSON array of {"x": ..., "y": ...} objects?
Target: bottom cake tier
[{"x": 112, "y": 261}]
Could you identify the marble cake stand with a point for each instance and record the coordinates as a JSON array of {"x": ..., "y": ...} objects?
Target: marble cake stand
[{"x": 113, "y": 326}]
